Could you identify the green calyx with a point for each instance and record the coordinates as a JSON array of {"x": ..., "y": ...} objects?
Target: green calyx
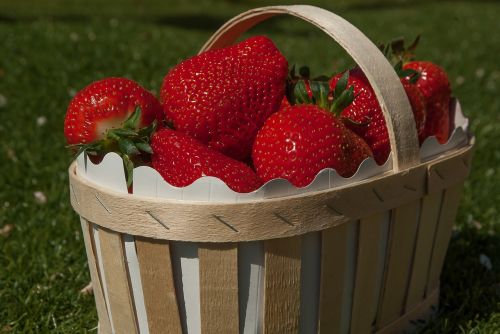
[
  {"x": 317, "y": 91},
  {"x": 130, "y": 142},
  {"x": 398, "y": 54}
]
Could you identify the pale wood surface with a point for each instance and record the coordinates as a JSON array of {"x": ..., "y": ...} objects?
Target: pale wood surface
[
  {"x": 447, "y": 216},
  {"x": 366, "y": 288},
  {"x": 423, "y": 311},
  {"x": 219, "y": 288},
  {"x": 429, "y": 215},
  {"x": 443, "y": 174},
  {"x": 282, "y": 286},
  {"x": 102, "y": 311},
  {"x": 158, "y": 286},
  {"x": 117, "y": 282},
  {"x": 379, "y": 72},
  {"x": 333, "y": 270},
  {"x": 403, "y": 231},
  {"x": 201, "y": 221}
]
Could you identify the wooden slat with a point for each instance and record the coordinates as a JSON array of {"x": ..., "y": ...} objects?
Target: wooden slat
[
  {"x": 369, "y": 261},
  {"x": 102, "y": 312},
  {"x": 117, "y": 282},
  {"x": 334, "y": 259},
  {"x": 158, "y": 286},
  {"x": 429, "y": 215},
  {"x": 422, "y": 311},
  {"x": 219, "y": 288},
  {"x": 401, "y": 246},
  {"x": 282, "y": 285},
  {"x": 447, "y": 216}
]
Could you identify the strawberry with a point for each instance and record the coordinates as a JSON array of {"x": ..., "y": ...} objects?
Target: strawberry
[
  {"x": 104, "y": 105},
  {"x": 364, "y": 116},
  {"x": 300, "y": 140},
  {"x": 434, "y": 85},
  {"x": 432, "y": 82},
  {"x": 222, "y": 97},
  {"x": 181, "y": 160},
  {"x": 113, "y": 115}
]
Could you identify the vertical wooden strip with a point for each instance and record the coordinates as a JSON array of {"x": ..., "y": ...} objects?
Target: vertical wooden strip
[
  {"x": 117, "y": 282},
  {"x": 310, "y": 278},
  {"x": 337, "y": 269},
  {"x": 401, "y": 246},
  {"x": 219, "y": 288},
  {"x": 158, "y": 286},
  {"x": 369, "y": 262},
  {"x": 429, "y": 215},
  {"x": 449, "y": 208},
  {"x": 102, "y": 312},
  {"x": 282, "y": 285}
]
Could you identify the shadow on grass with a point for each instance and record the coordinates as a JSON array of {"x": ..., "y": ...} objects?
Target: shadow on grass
[{"x": 470, "y": 289}]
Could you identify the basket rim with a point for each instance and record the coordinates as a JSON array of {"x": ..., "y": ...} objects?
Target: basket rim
[{"x": 268, "y": 218}]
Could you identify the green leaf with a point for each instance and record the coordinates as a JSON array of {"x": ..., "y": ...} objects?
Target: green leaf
[
  {"x": 414, "y": 45},
  {"x": 125, "y": 132},
  {"x": 398, "y": 45},
  {"x": 343, "y": 101},
  {"x": 132, "y": 121},
  {"x": 300, "y": 93},
  {"x": 341, "y": 84},
  {"x": 129, "y": 169},
  {"x": 398, "y": 67},
  {"x": 320, "y": 91},
  {"x": 128, "y": 147},
  {"x": 148, "y": 131},
  {"x": 304, "y": 72},
  {"x": 144, "y": 147}
]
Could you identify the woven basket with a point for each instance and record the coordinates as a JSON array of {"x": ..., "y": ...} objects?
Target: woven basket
[{"x": 361, "y": 258}]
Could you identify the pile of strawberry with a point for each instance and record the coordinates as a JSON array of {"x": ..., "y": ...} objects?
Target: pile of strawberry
[{"x": 238, "y": 114}]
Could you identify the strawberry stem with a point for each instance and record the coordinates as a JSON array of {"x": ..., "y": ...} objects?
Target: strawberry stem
[{"x": 130, "y": 142}]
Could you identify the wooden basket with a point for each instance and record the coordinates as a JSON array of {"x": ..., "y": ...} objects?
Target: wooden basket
[{"x": 380, "y": 243}]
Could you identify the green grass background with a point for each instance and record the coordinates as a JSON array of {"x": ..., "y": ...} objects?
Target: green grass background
[{"x": 51, "y": 49}]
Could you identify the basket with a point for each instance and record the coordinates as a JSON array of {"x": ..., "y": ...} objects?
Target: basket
[{"x": 314, "y": 262}]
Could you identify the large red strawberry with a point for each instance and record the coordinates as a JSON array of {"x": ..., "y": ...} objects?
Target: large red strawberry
[
  {"x": 222, "y": 97},
  {"x": 300, "y": 140},
  {"x": 104, "y": 105},
  {"x": 181, "y": 160},
  {"x": 364, "y": 116},
  {"x": 434, "y": 85},
  {"x": 113, "y": 115}
]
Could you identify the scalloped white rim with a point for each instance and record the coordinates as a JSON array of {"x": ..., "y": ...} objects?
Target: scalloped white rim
[{"x": 207, "y": 188}]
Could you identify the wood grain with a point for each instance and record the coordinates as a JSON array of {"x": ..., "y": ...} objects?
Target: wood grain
[
  {"x": 451, "y": 200},
  {"x": 429, "y": 216},
  {"x": 423, "y": 311},
  {"x": 100, "y": 302},
  {"x": 403, "y": 232},
  {"x": 282, "y": 286},
  {"x": 219, "y": 288},
  {"x": 117, "y": 282},
  {"x": 158, "y": 286},
  {"x": 333, "y": 272},
  {"x": 366, "y": 289}
]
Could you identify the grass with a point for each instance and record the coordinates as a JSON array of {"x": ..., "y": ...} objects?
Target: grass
[{"x": 52, "y": 49}]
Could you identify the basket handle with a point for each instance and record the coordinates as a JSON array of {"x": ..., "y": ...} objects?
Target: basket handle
[{"x": 379, "y": 72}]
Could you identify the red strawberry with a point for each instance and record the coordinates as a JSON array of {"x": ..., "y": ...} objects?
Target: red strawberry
[
  {"x": 434, "y": 85},
  {"x": 222, "y": 97},
  {"x": 418, "y": 107},
  {"x": 104, "y": 105},
  {"x": 364, "y": 116},
  {"x": 113, "y": 115},
  {"x": 432, "y": 82},
  {"x": 181, "y": 160},
  {"x": 299, "y": 141}
]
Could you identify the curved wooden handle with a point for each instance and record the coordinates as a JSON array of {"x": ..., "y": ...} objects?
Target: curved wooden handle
[{"x": 386, "y": 84}]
